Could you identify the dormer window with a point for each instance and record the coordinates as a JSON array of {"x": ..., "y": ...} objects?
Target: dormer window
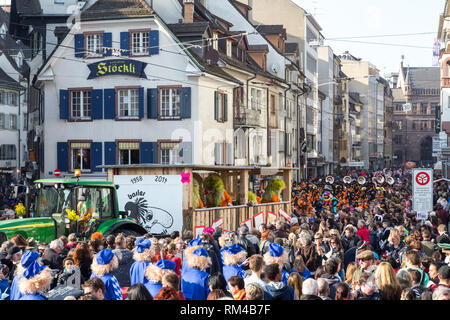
[
  {"x": 215, "y": 42},
  {"x": 229, "y": 48},
  {"x": 3, "y": 31},
  {"x": 19, "y": 59}
]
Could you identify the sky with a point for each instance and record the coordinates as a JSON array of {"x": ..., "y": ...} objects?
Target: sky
[{"x": 362, "y": 18}]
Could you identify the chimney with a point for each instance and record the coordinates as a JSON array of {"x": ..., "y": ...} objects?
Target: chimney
[{"x": 188, "y": 11}]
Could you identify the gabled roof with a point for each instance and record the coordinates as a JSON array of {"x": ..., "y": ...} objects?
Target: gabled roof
[
  {"x": 25, "y": 7},
  {"x": 117, "y": 9},
  {"x": 7, "y": 82},
  {"x": 422, "y": 77},
  {"x": 194, "y": 28},
  {"x": 272, "y": 29}
]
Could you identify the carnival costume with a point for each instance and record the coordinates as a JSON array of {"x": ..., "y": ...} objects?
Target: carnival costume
[
  {"x": 277, "y": 254},
  {"x": 155, "y": 273},
  {"x": 232, "y": 260},
  {"x": 216, "y": 195},
  {"x": 273, "y": 190},
  {"x": 36, "y": 279},
  {"x": 194, "y": 283},
  {"x": 142, "y": 257},
  {"x": 103, "y": 263}
]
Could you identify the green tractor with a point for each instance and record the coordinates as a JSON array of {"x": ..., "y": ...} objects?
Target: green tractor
[{"x": 65, "y": 206}]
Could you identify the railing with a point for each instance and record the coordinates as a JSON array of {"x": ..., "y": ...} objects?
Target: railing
[
  {"x": 248, "y": 117},
  {"x": 233, "y": 216}
]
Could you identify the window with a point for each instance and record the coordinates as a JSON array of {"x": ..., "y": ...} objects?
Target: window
[
  {"x": 170, "y": 103},
  {"x": 398, "y": 124},
  {"x": 80, "y": 156},
  {"x": 288, "y": 75},
  {"x": 94, "y": 45},
  {"x": 229, "y": 48},
  {"x": 3, "y": 31},
  {"x": 398, "y": 139},
  {"x": 215, "y": 42},
  {"x": 2, "y": 120},
  {"x": 12, "y": 121},
  {"x": 311, "y": 64},
  {"x": 129, "y": 152},
  {"x": 272, "y": 104},
  {"x": 81, "y": 104},
  {"x": 140, "y": 43},
  {"x": 169, "y": 152},
  {"x": 7, "y": 152},
  {"x": 221, "y": 107},
  {"x": 128, "y": 103},
  {"x": 19, "y": 59},
  {"x": 256, "y": 99},
  {"x": 423, "y": 108},
  {"x": 398, "y": 107},
  {"x": 414, "y": 108}
]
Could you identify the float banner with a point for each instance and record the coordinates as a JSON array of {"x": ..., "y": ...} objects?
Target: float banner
[
  {"x": 117, "y": 67},
  {"x": 154, "y": 201}
]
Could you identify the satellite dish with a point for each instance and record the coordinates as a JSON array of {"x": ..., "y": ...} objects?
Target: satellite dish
[{"x": 275, "y": 68}]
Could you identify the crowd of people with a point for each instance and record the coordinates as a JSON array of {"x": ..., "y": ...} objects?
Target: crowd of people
[{"x": 359, "y": 242}]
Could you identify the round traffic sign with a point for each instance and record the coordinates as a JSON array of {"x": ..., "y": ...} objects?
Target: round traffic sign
[
  {"x": 422, "y": 178},
  {"x": 57, "y": 172}
]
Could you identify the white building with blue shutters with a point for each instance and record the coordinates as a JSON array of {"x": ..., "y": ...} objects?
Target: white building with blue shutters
[{"x": 122, "y": 89}]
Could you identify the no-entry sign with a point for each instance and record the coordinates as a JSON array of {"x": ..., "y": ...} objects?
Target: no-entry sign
[{"x": 422, "y": 191}]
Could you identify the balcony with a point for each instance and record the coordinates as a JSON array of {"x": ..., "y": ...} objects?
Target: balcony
[{"x": 245, "y": 117}]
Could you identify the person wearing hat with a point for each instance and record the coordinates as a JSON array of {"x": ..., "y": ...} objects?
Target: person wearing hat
[
  {"x": 233, "y": 258},
  {"x": 103, "y": 263},
  {"x": 35, "y": 280},
  {"x": 142, "y": 256},
  {"x": 365, "y": 261},
  {"x": 155, "y": 273},
  {"x": 194, "y": 278},
  {"x": 277, "y": 254}
]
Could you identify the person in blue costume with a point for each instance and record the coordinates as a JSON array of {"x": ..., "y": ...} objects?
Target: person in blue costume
[
  {"x": 194, "y": 278},
  {"x": 233, "y": 258},
  {"x": 192, "y": 245},
  {"x": 276, "y": 254},
  {"x": 4, "y": 282},
  {"x": 225, "y": 241},
  {"x": 27, "y": 259},
  {"x": 155, "y": 273},
  {"x": 142, "y": 256},
  {"x": 103, "y": 263},
  {"x": 35, "y": 281}
]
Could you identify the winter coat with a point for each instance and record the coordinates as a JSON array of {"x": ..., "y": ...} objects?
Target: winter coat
[
  {"x": 122, "y": 273},
  {"x": 137, "y": 272},
  {"x": 333, "y": 281},
  {"x": 52, "y": 259},
  {"x": 309, "y": 256},
  {"x": 194, "y": 283},
  {"x": 15, "y": 293},
  {"x": 348, "y": 243},
  {"x": 247, "y": 245},
  {"x": 278, "y": 291}
]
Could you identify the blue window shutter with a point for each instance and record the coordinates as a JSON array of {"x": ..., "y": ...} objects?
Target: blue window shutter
[
  {"x": 185, "y": 102},
  {"x": 64, "y": 104},
  {"x": 141, "y": 103},
  {"x": 97, "y": 104},
  {"x": 155, "y": 153},
  {"x": 62, "y": 156},
  {"x": 154, "y": 42},
  {"x": 96, "y": 156},
  {"x": 79, "y": 45},
  {"x": 146, "y": 152},
  {"x": 107, "y": 43},
  {"x": 110, "y": 153},
  {"x": 109, "y": 99},
  {"x": 152, "y": 103},
  {"x": 125, "y": 43},
  {"x": 225, "y": 107}
]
